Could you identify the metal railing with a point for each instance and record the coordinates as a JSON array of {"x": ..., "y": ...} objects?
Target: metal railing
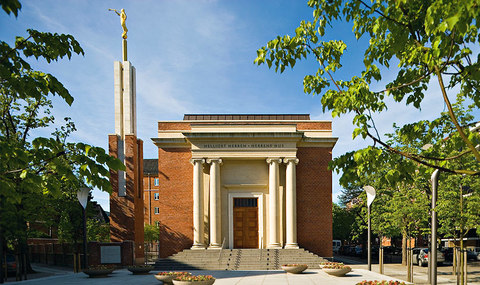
[
  {"x": 261, "y": 249},
  {"x": 221, "y": 249}
]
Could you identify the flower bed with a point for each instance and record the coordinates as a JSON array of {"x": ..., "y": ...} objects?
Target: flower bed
[
  {"x": 294, "y": 268},
  {"x": 336, "y": 269},
  {"x": 192, "y": 279},
  {"x": 99, "y": 270},
  {"x": 323, "y": 264},
  {"x": 167, "y": 277},
  {"x": 383, "y": 282},
  {"x": 140, "y": 269}
]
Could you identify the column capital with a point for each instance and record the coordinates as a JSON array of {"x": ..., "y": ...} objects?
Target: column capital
[
  {"x": 290, "y": 159},
  {"x": 274, "y": 160},
  {"x": 214, "y": 160},
  {"x": 197, "y": 160}
]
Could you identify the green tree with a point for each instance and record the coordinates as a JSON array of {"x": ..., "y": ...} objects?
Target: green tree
[
  {"x": 151, "y": 233},
  {"x": 32, "y": 167},
  {"x": 342, "y": 222},
  {"x": 151, "y": 236},
  {"x": 426, "y": 43}
]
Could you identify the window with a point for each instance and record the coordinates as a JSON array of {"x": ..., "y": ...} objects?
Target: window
[
  {"x": 155, "y": 182},
  {"x": 157, "y": 223},
  {"x": 156, "y": 196},
  {"x": 157, "y": 210}
]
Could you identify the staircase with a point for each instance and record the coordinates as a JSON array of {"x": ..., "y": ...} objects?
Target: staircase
[{"x": 237, "y": 259}]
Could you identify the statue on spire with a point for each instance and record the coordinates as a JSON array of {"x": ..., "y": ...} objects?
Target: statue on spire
[{"x": 123, "y": 18}]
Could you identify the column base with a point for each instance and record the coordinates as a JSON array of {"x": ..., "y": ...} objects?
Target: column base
[
  {"x": 198, "y": 246},
  {"x": 292, "y": 246},
  {"x": 215, "y": 246},
  {"x": 274, "y": 246}
]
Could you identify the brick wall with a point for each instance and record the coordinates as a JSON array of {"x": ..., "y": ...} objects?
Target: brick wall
[
  {"x": 150, "y": 203},
  {"x": 314, "y": 126},
  {"x": 314, "y": 200},
  {"x": 126, "y": 213},
  {"x": 176, "y": 200}
]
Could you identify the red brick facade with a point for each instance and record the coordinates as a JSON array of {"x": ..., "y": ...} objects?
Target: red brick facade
[
  {"x": 126, "y": 213},
  {"x": 176, "y": 200},
  {"x": 314, "y": 200}
]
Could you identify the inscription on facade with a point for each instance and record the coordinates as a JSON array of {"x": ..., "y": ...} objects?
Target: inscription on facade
[{"x": 244, "y": 145}]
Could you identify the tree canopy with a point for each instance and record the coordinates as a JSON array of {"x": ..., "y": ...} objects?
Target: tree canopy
[
  {"x": 33, "y": 168},
  {"x": 427, "y": 43}
]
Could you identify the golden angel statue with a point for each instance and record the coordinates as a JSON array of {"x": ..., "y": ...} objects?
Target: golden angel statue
[{"x": 123, "y": 18}]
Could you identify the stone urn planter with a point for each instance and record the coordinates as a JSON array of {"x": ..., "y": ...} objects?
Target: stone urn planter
[
  {"x": 294, "y": 268},
  {"x": 167, "y": 277},
  {"x": 336, "y": 270},
  {"x": 194, "y": 280},
  {"x": 99, "y": 271},
  {"x": 140, "y": 269}
]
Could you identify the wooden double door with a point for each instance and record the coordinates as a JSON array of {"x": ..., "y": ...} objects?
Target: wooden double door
[{"x": 245, "y": 222}]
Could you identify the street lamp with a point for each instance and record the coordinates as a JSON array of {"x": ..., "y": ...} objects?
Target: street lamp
[
  {"x": 433, "y": 253},
  {"x": 370, "y": 197},
  {"x": 82, "y": 196}
]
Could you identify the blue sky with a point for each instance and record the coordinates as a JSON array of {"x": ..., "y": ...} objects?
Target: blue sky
[{"x": 191, "y": 57}]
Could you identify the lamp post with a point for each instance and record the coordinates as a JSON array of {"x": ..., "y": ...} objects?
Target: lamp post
[
  {"x": 433, "y": 252},
  {"x": 370, "y": 197},
  {"x": 82, "y": 196}
]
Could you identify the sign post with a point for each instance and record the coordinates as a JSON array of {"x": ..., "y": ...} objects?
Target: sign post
[
  {"x": 370, "y": 197},
  {"x": 82, "y": 196}
]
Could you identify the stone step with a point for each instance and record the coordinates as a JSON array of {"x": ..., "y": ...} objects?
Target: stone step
[{"x": 237, "y": 259}]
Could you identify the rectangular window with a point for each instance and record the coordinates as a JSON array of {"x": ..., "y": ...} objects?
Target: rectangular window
[
  {"x": 155, "y": 182},
  {"x": 157, "y": 210},
  {"x": 156, "y": 196},
  {"x": 157, "y": 223}
]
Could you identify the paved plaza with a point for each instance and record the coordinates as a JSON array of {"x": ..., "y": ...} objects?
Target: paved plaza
[
  {"x": 52, "y": 275},
  {"x": 272, "y": 277}
]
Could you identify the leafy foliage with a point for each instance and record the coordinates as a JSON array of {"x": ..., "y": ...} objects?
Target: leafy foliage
[
  {"x": 35, "y": 170},
  {"x": 427, "y": 41},
  {"x": 151, "y": 233},
  {"x": 342, "y": 222}
]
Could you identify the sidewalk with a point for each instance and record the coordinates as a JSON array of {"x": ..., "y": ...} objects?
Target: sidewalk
[{"x": 273, "y": 277}]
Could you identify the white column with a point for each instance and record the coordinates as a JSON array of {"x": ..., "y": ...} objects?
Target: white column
[
  {"x": 273, "y": 214},
  {"x": 291, "y": 203},
  {"x": 215, "y": 222},
  {"x": 198, "y": 239}
]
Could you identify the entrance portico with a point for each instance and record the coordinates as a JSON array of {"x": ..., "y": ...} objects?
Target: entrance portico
[{"x": 244, "y": 180}]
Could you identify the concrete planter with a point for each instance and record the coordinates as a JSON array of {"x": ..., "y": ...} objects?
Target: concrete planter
[
  {"x": 140, "y": 269},
  {"x": 295, "y": 269},
  {"x": 167, "y": 279},
  {"x": 205, "y": 282},
  {"x": 92, "y": 273},
  {"x": 337, "y": 272}
]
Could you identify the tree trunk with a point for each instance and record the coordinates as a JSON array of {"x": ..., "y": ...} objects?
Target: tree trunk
[{"x": 404, "y": 249}]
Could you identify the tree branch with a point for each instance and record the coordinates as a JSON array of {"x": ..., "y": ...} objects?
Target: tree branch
[
  {"x": 453, "y": 117},
  {"x": 17, "y": 46},
  {"x": 58, "y": 154},
  {"x": 383, "y": 15}
]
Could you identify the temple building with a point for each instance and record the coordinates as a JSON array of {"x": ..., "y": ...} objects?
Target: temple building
[{"x": 241, "y": 181}]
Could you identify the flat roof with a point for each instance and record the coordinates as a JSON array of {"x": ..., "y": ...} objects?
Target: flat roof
[{"x": 240, "y": 117}]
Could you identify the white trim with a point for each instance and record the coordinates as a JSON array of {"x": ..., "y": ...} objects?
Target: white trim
[{"x": 233, "y": 195}]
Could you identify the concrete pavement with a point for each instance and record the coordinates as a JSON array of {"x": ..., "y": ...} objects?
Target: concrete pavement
[{"x": 272, "y": 277}]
